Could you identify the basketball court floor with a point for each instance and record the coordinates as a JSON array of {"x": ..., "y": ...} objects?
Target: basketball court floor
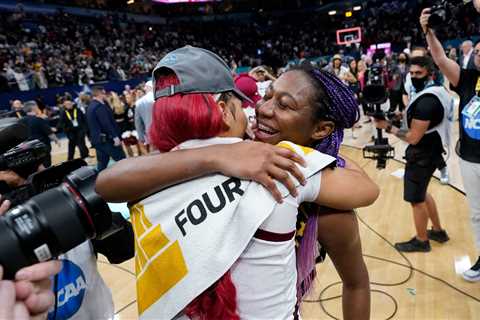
[{"x": 409, "y": 286}]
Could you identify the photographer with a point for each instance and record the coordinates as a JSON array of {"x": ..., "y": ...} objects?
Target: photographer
[
  {"x": 428, "y": 130},
  {"x": 409, "y": 92},
  {"x": 79, "y": 289},
  {"x": 55, "y": 196},
  {"x": 466, "y": 82}
]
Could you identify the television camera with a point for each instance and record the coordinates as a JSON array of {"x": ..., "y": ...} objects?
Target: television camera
[{"x": 375, "y": 94}]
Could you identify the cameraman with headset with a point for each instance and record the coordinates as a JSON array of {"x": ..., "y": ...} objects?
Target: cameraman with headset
[
  {"x": 427, "y": 118},
  {"x": 466, "y": 82}
]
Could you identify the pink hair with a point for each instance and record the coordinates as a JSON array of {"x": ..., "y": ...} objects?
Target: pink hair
[{"x": 176, "y": 119}]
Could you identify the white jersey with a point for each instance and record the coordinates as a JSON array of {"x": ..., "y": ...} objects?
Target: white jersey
[
  {"x": 265, "y": 275},
  {"x": 81, "y": 292},
  {"x": 264, "y": 272}
]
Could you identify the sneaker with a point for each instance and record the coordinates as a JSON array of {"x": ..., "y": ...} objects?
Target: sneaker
[
  {"x": 473, "y": 274},
  {"x": 440, "y": 236},
  {"x": 444, "y": 176},
  {"x": 413, "y": 245}
]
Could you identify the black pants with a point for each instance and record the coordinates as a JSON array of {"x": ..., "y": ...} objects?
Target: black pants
[
  {"x": 105, "y": 151},
  {"x": 418, "y": 171},
  {"x": 77, "y": 139},
  {"x": 48, "y": 159}
]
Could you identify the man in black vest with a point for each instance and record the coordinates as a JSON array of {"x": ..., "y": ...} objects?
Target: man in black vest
[
  {"x": 427, "y": 120},
  {"x": 466, "y": 82},
  {"x": 73, "y": 122}
]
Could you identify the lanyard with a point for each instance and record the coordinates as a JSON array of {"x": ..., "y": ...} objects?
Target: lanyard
[{"x": 74, "y": 114}]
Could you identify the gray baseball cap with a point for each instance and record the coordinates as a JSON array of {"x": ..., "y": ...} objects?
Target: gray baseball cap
[{"x": 199, "y": 71}]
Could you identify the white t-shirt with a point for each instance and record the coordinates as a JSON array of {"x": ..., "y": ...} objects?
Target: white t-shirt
[{"x": 81, "y": 291}]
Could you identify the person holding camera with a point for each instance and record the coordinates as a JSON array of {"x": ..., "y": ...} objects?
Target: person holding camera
[
  {"x": 74, "y": 124},
  {"x": 29, "y": 295},
  {"x": 466, "y": 82},
  {"x": 79, "y": 288},
  {"x": 104, "y": 131},
  {"x": 428, "y": 130},
  {"x": 409, "y": 92}
]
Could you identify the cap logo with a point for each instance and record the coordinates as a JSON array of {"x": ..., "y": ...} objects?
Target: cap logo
[{"x": 169, "y": 60}]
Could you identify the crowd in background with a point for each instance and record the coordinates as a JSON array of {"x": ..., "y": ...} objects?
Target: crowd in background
[
  {"x": 42, "y": 51},
  {"x": 36, "y": 55}
]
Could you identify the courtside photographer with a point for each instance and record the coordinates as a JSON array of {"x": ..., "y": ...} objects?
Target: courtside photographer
[
  {"x": 466, "y": 83},
  {"x": 56, "y": 213},
  {"x": 427, "y": 117}
]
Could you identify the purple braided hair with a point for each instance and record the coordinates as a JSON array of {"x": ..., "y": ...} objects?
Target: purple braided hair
[{"x": 343, "y": 111}]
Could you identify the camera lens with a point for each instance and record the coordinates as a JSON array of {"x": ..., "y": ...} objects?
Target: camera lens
[
  {"x": 53, "y": 222},
  {"x": 375, "y": 94}
]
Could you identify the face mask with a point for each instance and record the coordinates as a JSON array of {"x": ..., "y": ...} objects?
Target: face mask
[{"x": 419, "y": 83}]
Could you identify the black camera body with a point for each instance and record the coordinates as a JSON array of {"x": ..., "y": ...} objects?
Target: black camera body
[
  {"x": 441, "y": 12},
  {"x": 55, "y": 211},
  {"x": 39, "y": 182},
  {"x": 53, "y": 222},
  {"x": 375, "y": 91},
  {"x": 438, "y": 14},
  {"x": 375, "y": 94},
  {"x": 25, "y": 158}
]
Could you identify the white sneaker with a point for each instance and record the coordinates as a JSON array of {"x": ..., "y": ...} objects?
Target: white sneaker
[
  {"x": 444, "y": 176},
  {"x": 473, "y": 274}
]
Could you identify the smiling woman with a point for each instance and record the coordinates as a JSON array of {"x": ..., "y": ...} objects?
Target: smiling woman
[
  {"x": 308, "y": 107},
  {"x": 312, "y": 108},
  {"x": 284, "y": 113}
]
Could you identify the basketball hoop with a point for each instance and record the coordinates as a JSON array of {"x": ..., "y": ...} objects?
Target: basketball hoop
[{"x": 349, "y": 36}]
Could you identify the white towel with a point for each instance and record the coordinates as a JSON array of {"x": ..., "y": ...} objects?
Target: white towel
[{"x": 189, "y": 235}]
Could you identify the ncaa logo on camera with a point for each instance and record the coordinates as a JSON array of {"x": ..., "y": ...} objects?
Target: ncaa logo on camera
[
  {"x": 472, "y": 126},
  {"x": 71, "y": 289}
]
